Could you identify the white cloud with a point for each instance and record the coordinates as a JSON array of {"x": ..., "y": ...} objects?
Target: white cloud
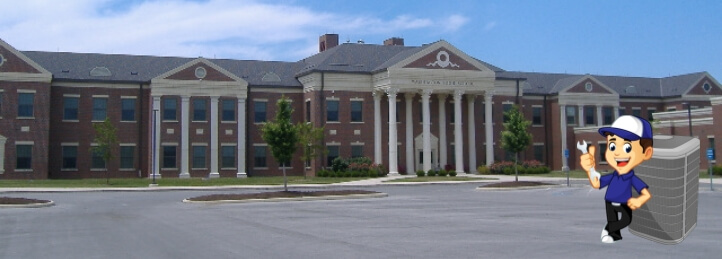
[{"x": 244, "y": 29}]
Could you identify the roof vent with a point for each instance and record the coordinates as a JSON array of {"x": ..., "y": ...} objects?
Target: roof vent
[
  {"x": 360, "y": 41},
  {"x": 66, "y": 71},
  {"x": 271, "y": 77},
  {"x": 132, "y": 73},
  {"x": 100, "y": 72},
  {"x": 631, "y": 90}
]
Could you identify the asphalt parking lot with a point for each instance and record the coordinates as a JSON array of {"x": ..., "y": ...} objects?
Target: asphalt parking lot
[{"x": 423, "y": 221}]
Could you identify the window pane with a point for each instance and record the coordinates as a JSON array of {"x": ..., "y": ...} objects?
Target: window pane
[
  {"x": 100, "y": 106},
  {"x": 571, "y": 115},
  {"x": 199, "y": 110},
  {"x": 506, "y": 107},
  {"x": 1, "y": 104},
  {"x": 536, "y": 115},
  {"x": 637, "y": 112},
  {"x": 539, "y": 153},
  {"x": 128, "y": 110},
  {"x": 169, "y": 153},
  {"x": 608, "y": 116},
  {"x": 229, "y": 111},
  {"x": 127, "y": 157},
  {"x": 70, "y": 108},
  {"x": 169, "y": 109},
  {"x": 25, "y": 104},
  {"x": 650, "y": 117},
  {"x": 259, "y": 108},
  {"x": 228, "y": 156},
  {"x": 356, "y": 111},
  {"x": 589, "y": 113},
  {"x": 70, "y": 157},
  {"x": 357, "y": 151},
  {"x": 199, "y": 157},
  {"x": 332, "y": 154},
  {"x": 259, "y": 156},
  {"x": 602, "y": 152},
  {"x": 332, "y": 111},
  {"x": 24, "y": 156},
  {"x": 97, "y": 161},
  {"x": 622, "y": 111}
]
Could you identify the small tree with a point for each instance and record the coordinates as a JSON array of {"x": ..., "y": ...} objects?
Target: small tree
[
  {"x": 515, "y": 137},
  {"x": 281, "y": 136},
  {"x": 309, "y": 140},
  {"x": 106, "y": 139}
]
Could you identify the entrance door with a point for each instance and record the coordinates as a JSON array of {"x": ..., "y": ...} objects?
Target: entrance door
[{"x": 419, "y": 154}]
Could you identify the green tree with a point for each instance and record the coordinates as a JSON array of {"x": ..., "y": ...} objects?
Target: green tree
[
  {"x": 515, "y": 137},
  {"x": 106, "y": 138},
  {"x": 309, "y": 140},
  {"x": 281, "y": 136}
]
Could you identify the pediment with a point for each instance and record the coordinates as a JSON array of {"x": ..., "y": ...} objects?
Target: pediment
[
  {"x": 587, "y": 85},
  {"x": 200, "y": 69},
  {"x": 14, "y": 65},
  {"x": 705, "y": 86},
  {"x": 444, "y": 56},
  {"x": 199, "y": 77}
]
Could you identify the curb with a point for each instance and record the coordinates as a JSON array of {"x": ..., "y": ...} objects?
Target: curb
[
  {"x": 307, "y": 198},
  {"x": 518, "y": 188},
  {"x": 30, "y": 205}
]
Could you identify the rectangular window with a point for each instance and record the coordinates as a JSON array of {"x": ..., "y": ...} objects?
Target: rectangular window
[
  {"x": 127, "y": 109},
  {"x": 259, "y": 156},
  {"x": 24, "y": 154},
  {"x": 26, "y": 102},
  {"x": 259, "y": 109},
  {"x": 169, "y": 156},
  {"x": 332, "y": 154},
  {"x": 100, "y": 108},
  {"x": 308, "y": 111},
  {"x": 608, "y": 114},
  {"x": 602, "y": 153},
  {"x": 199, "y": 110},
  {"x": 199, "y": 157},
  {"x": 357, "y": 111},
  {"x": 127, "y": 157},
  {"x": 536, "y": 115},
  {"x": 331, "y": 110},
  {"x": 96, "y": 160},
  {"x": 229, "y": 110},
  {"x": 622, "y": 111},
  {"x": 70, "y": 157},
  {"x": 650, "y": 111},
  {"x": 671, "y": 109},
  {"x": 539, "y": 153},
  {"x": 571, "y": 115},
  {"x": 70, "y": 108},
  {"x": 398, "y": 108},
  {"x": 357, "y": 151},
  {"x": 228, "y": 156},
  {"x": 637, "y": 112},
  {"x": 507, "y": 108},
  {"x": 1, "y": 104},
  {"x": 589, "y": 114},
  {"x": 452, "y": 114},
  {"x": 169, "y": 109}
]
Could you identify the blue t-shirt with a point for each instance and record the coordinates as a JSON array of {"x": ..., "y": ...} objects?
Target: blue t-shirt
[{"x": 620, "y": 186}]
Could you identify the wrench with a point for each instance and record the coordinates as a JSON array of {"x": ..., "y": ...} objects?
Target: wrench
[{"x": 592, "y": 173}]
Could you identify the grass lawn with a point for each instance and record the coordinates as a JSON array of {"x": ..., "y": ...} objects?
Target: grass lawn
[
  {"x": 438, "y": 179},
  {"x": 136, "y": 182}
]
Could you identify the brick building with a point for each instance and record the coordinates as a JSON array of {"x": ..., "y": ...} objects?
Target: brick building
[{"x": 199, "y": 117}]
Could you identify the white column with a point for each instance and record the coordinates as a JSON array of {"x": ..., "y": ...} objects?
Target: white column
[
  {"x": 2, "y": 153},
  {"x": 616, "y": 112},
  {"x": 185, "y": 127},
  {"x": 471, "y": 126},
  {"x": 393, "y": 142},
  {"x": 155, "y": 150},
  {"x": 410, "y": 165},
  {"x": 442, "y": 130},
  {"x": 489, "y": 128},
  {"x": 458, "y": 138},
  {"x": 426, "y": 123},
  {"x": 214, "y": 138},
  {"x": 241, "y": 143},
  {"x": 563, "y": 127},
  {"x": 377, "y": 128},
  {"x": 600, "y": 120},
  {"x": 581, "y": 116}
]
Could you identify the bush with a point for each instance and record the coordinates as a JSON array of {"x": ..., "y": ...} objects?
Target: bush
[
  {"x": 717, "y": 170},
  {"x": 373, "y": 173},
  {"x": 507, "y": 170},
  {"x": 443, "y": 173},
  {"x": 339, "y": 164},
  {"x": 431, "y": 172},
  {"x": 420, "y": 173},
  {"x": 323, "y": 173},
  {"x": 452, "y": 173},
  {"x": 483, "y": 170}
]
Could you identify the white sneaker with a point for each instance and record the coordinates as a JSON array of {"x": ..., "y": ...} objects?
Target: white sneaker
[
  {"x": 607, "y": 240},
  {"x": 604, "y": 232}
]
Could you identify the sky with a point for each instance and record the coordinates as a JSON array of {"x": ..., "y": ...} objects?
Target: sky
[{"x": 625, "y": 38}]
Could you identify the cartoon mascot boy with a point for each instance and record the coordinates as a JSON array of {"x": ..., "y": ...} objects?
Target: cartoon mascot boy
[{"x": 629, "y": 143}]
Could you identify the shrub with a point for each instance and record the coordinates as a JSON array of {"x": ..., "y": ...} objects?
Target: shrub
[
  {"x": 373, "y": 173},
  {"x": 420, "y": 173},
  {"x": 507, "y": 170},
  {"x": 339, "y": 164},
  {"x": 717, "y": 170},
  {"x": 443, "y": 173},
  {"x": 452, "y": 173},
  {"x": 483, "y": 170},
  {"x": 431, "y": 172},
  {"x": 323, "y": 173}
]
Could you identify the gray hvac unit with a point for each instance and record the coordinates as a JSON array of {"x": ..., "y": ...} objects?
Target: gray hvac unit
[{"x": 673, "y": 178}]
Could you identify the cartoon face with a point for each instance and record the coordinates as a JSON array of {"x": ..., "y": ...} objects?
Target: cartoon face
[{"x": 623, "y": 155}]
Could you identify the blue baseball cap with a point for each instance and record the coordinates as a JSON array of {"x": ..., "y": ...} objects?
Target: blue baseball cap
[{"x": 629, "y": 127}]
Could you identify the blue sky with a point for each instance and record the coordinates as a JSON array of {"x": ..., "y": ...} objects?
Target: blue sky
[{"x": 628, "y": 38}]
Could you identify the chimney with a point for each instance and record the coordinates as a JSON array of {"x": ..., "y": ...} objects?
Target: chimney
[
  {"x": 327, "y": 41},
  {"x": 394, "y": 41}
]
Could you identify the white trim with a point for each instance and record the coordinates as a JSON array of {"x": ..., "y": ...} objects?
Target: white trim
[
  {"x": 199, "y": 144},
  {"x": 71, "y": 95},
  {"x": 128, "y": 97},
  {"x": 26, "y": 91},
  {"x": 70, "y": 144},
  {"x": 169, "y": 143},
  {"x": 25, "y": 142},
  {"x": 100, "y": 96}
]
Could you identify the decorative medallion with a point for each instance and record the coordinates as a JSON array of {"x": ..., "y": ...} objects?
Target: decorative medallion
[
  {"x": 442, "y": 60},
  {"x": 200, "y": 72},
  {"x": 2, "y": 60},
  {"x": 588, "y": 86},
  {"x": 706, "y": 87}
]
